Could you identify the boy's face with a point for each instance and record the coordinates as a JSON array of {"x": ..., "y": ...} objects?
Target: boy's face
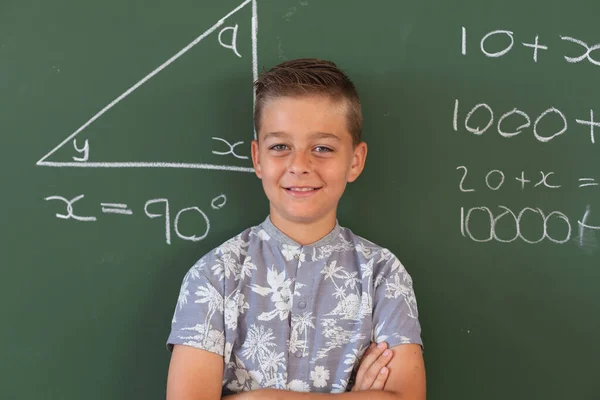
[{"x": 305, "y": 157}]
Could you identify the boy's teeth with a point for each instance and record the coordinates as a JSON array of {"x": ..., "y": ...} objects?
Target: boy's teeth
[{"x": 301, "y": 189}]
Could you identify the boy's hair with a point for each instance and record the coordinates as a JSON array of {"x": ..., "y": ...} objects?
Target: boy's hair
[{"x": 309, "y": 76}]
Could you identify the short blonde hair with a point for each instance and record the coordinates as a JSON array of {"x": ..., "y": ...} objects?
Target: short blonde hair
[{"x": 309, "y": 76}]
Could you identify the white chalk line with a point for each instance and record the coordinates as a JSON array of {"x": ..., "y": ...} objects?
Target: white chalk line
[
  {"x": 113, "y": 205},
  {"x": 181, "y": 52},
  {"x": 588, "y": 182},
  {"x": 582, "y": 224},
  {"x": 58, "y": 164},
  {"x": 254, "y": 54},
  {"x": 116, "y": 211},
  {"x": 535, "y": 46}
]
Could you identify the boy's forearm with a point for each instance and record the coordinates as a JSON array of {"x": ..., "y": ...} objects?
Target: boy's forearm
[{"x": 277, "y": 394}]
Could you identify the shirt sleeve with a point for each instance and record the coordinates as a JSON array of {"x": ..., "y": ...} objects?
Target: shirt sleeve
[
  {"x": 395, "y": 314},
  {"x": 198, "y": 319}
]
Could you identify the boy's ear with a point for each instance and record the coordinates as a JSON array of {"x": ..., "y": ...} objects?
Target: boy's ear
[
  {"x": 256, "y": 159},
  {"x": 358, "y": 161}
]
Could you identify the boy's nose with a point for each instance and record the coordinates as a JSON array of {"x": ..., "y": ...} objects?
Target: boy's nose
[{"x": 299, "y": 163}]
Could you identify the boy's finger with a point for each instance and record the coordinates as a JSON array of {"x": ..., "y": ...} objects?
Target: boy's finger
[
  {"x": 382, "y": 376},
  {"x": 369, "y": 349},
  {"x": 372, "y": 354},
  {"x": 365, "y": 363},
  {"x": 373, "y": 372},
  {"x": 369, "y": 367}
]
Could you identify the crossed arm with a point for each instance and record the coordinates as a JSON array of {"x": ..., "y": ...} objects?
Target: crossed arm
[{"x": 403, "y": 377}]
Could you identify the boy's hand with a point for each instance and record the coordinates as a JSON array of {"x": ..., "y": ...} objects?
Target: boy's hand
[{"x": 372, "y": 373}]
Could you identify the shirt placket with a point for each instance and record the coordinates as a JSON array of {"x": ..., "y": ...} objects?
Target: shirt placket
[{"x": 299, "y": 360}]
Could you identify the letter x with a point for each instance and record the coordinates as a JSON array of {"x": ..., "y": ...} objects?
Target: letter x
[
  {"x": 69, "y": 204},
  {"x": 231, "y": 149},
  {"x": 589, "y": 50}
]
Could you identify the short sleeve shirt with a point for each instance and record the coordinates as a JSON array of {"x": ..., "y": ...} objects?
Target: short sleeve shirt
[{"x": 294, "y": 317}]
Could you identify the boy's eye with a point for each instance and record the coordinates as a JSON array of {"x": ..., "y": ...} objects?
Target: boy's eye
[
  {"x": 278, "y": 147},
  {"x": 323, "y": 149}
]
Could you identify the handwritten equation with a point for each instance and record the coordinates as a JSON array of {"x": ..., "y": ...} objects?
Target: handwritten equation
[
  {"x": 496, "y": 179},
  {"x": 544, "y": 219},
  {"x": 150, "y": 209},
  {"x": 587, "y": 53},
  {"x": 515, "y": 115},
  {"x": 501, "y": 223},
  {"x": 574, "y": 45}
]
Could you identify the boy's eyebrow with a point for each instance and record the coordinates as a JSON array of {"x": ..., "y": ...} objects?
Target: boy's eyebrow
[
  {"x": 275, "y": 135},
  {"x": 318, "y": 135},
  {"x": 325, "y": 135}
]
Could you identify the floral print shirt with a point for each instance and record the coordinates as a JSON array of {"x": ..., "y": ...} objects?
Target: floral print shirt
[{"x": 294, "y": 317}]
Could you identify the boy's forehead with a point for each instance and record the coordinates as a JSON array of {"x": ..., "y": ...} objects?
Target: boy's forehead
[{"x": 313, "y": 115}]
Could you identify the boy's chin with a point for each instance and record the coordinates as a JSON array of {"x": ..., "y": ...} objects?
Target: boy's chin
[{"x": 302, "y": 217}]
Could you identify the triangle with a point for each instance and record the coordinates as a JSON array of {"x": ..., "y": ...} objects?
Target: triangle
[{"x": 102, "y": 143}]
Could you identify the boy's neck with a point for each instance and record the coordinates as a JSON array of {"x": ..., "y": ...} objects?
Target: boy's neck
[{"x": 302, "y": 233}]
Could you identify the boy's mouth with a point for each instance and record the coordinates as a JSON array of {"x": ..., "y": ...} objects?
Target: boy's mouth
[
  {"x": 301, "y": 188},
  {"x": 301, "y": 191}
]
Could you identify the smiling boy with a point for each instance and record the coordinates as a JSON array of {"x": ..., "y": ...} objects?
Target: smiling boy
[{"x": 292, "y": 304}]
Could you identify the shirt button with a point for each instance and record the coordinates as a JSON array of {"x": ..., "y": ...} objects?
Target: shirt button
[
  {"x": 298, "y": 354},
  {"x": 296, "y": 257},
  {"x": 302, "y": 304}
]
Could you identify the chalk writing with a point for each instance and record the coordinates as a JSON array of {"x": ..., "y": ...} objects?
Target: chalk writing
[
  {"x": 588, "y": 51},
  {"x": 460, "y": 185},
  {"x": 500, "y": 53},
  {"x": 509, "y": 37},
  {"x": 233, "y": 45},
  {"x": 499, "y": 184},
  {"x": 192, "y": 238},
  {"x": 150, "y": 209},
  {"x": 82, "y": 162},
  {"x": 231, "y": 149},
  {"x": 85, "y": 150},
  {"x": 546, "y": 180},
  {"x": 587, "y": 182},
  {"x": 583, "y": 225},
  {"x": 592, "y": 123},
  {"x": 535, "y": 46},
  {"x": 544, "y": 137},
  {"x": 70, "y": 214},
  {"x": 522, "y": 180},
  {"x": 166, "y": 215},
  {"x": 492, "y": 221},
  {"x": 115, "y": 208},
  {"x": 218, "y": 202},
  {"x": 483, "y": 224},
  {"x": 500, "y": 178}
]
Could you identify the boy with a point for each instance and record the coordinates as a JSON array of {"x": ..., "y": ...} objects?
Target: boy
[{"x": 292, "y": 304}]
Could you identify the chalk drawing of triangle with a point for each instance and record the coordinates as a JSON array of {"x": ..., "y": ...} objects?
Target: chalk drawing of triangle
[{"x": 83, "y": 163}]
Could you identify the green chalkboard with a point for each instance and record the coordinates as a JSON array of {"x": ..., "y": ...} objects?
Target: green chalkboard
[{"x": 482, "y": 177}]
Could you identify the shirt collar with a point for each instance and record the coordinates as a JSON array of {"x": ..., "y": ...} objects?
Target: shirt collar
[{"x": 281, "y": 237}]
